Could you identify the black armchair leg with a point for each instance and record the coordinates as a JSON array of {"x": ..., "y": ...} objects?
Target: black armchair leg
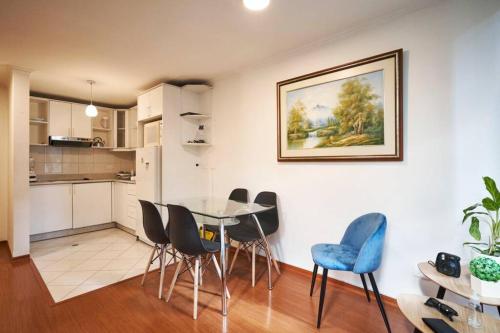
[
  {"x": 366, "y": 288},
  {"x": 322, "y": 295},
  {"x": 315, "y": 271},
  {"x": 379, "y": 301}
]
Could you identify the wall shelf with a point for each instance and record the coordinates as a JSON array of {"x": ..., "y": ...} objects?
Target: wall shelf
[
  {"x": 199, "y": 116},
  {"x": 196, "y": 144},
  {"x": 99, "y": 129},
  {"x": 38, "y": 122}
]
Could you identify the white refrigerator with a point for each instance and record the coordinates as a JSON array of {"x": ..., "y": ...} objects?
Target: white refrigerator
[{"x": 148, "y": 182}]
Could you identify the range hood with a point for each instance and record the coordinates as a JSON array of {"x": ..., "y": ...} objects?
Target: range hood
[{"x": 66, "y": 141}]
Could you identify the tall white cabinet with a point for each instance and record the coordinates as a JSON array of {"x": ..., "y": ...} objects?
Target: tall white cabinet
[{"x": 185, "y": 169}]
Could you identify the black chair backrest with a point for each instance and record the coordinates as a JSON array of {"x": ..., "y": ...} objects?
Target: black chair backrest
[
  {"x": 183, "y": 231},
  {"x": 153, "y": 224},
  {"x": 270, "y": 217},
  {"x": 239, "y": 194}
]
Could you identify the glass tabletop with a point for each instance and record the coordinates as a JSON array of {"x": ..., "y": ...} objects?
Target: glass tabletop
[{"x": 219, "y": 208}]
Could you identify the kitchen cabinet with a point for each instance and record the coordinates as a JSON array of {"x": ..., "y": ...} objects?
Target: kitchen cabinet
[
  {"x": 124, "y": 204},
  {"x": 59, "y": 119},
  {"x": 150, "y": 104},
  {"x": 131, "y": 136},
  {"x": 69, "y": 119},
  {"x": 91, "y": 204},
  {"x": 50, "y": 208},
  {"x": 81, "y": 125}
]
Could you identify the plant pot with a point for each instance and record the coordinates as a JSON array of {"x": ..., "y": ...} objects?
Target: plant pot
[{"x": 486, "y": 288}]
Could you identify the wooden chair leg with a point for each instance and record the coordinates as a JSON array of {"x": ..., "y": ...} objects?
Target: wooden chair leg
[
  {"x": 322, "y": 295},
  {"x": 253, "y": 265},
  {"x": 195, "y": 289},
  {"x": 234, "y": 259},
  {"x": 163, "y": 257},
  {"x": 313, "y": 281},
  {"x": 149, "y": 265},
  {"x": 174, "y": 279},
  {"x": 379, "y": 301},
  {"x": 365, "y": 287}
]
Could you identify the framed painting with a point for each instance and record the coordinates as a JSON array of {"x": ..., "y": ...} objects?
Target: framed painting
[{"x": 351, "y": 112}]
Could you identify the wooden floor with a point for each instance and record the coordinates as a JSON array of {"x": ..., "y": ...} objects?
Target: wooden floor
[{"x": 26, "y": 306}]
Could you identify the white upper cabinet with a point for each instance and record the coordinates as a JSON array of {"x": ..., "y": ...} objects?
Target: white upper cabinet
[
  {"x": 131, "y": 124},
  {"x": 60, "y": 118},
  {"x": 69, "y": 119},
  {"x": 81, "y": 125},
  {"x": 150, "y": 104}
]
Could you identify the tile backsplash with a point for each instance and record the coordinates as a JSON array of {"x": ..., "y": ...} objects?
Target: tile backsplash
[{"x": 67, "y": 160}]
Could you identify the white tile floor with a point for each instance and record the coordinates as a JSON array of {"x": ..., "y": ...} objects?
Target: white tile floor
[{"x": 100, "y": 259}]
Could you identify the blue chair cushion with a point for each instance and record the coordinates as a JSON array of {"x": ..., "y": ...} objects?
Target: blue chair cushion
[{"x": 334, "y": 256}]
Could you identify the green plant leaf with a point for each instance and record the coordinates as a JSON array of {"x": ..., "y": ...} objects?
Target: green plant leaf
[
  {"x": 489, "y": 204},
  {"x": 491, "y": 186},
  {"x": 469, "y": 214},
  {"x": 474, "y": 228},
  {"x": 471, "y": 208},
  {"x": 475, "y": 243}
]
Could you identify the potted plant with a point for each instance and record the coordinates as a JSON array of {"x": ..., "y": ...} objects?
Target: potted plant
[{"x": 485, "y": 268}]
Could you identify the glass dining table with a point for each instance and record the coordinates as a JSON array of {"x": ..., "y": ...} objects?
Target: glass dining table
[{"x": 222, "y": 213}]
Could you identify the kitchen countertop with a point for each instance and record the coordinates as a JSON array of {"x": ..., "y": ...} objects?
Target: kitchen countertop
[{"x": 80, "y": 181}]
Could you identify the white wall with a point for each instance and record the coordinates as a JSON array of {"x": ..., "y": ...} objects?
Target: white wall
[
  {"x": 4, "y": 159},
  {"x": 18, "y": 229},
  {"x": 451, "y": 137}
]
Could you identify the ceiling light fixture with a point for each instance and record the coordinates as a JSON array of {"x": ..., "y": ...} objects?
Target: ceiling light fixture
[
  {"x": 91, "y": 110},
  {"x": 256, "y": 4}
]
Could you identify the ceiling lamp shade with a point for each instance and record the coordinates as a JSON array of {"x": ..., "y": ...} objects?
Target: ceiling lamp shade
[
  {"x": 91, "y": 110},
  {"x": 256, "y": 4}
]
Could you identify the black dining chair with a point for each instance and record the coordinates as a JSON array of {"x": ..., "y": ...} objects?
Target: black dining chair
[
  {"x": 247, "y": 235},
  {"x": 238, "y": 194},
  {"x": 156, "y": 233},
  {"x": 185, "y": 238}
]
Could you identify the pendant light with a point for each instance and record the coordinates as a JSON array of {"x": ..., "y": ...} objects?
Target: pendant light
[
  {"x": 91, "y": 110},
  {"x": 256, "y": 4}
]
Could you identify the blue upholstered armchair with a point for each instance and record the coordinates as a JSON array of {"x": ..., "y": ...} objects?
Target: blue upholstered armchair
[{"x": 359, "y": 251}]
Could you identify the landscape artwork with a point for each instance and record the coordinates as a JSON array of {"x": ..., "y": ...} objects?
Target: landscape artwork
[
  {"x": 347, "y": 112},
  {"x": 350, "y": 112}
]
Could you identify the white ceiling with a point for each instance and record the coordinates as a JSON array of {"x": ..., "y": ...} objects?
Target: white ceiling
[{"x": 129, "y": 45}]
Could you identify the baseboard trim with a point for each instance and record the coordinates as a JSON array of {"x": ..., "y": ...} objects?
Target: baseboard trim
[
  {"x": 71, "y": 232},
  {"x": 331, "y": 281}
]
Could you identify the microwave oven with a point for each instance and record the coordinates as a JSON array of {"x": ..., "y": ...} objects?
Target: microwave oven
[{"x": 152, "y": 133}]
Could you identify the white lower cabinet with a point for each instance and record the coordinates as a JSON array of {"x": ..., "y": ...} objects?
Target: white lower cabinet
[
  {"x": 50, "y": 208},
  {"x": 124, "y": 204},
  {"x": 91, "y": 204}
]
